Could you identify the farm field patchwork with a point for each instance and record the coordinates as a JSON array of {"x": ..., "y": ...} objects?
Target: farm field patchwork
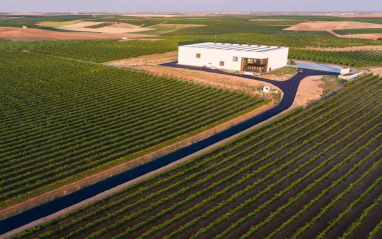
[
  {"x": 62, "y": 120},
  {"x": 313, "y": 173},
  {"x": 108, "y": 50}
]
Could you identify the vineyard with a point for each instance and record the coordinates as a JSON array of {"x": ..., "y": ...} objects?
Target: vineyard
[
  {"x": 101, "y": 51},
  {"x": 350, "y": 58},
  {"x": 230, "y": 29},
  {"x": 62, "y": 120},
  {"x": 313, "y": 173},
  {"x": 107, "y": 50}
]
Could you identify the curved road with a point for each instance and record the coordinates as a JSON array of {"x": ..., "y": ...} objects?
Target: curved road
[{"x": 289, "y": 88}]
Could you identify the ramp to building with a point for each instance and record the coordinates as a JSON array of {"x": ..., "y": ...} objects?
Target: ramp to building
[{"x": 318, "y": 66}]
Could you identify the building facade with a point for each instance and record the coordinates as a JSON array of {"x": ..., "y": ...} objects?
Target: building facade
[{"x": 235, "y": 57}]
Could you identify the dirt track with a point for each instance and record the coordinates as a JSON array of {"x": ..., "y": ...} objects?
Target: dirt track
[{"x": 370, "y": 36}]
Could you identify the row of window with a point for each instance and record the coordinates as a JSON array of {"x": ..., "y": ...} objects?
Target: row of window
[{"x": 235, "y": 58}]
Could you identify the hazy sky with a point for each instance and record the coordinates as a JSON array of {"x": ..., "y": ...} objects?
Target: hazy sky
[{"x": 188, "y": 5}]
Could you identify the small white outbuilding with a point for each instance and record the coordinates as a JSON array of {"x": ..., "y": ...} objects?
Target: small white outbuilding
[
  {"x": 235, "y": 57},
  {"x": 266, "y": 89}
]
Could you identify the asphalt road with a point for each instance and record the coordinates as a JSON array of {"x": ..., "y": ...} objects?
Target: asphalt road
[{"x": 289, "y": 88}]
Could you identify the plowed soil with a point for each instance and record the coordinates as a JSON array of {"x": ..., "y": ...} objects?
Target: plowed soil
[
  {"x": 326, "y": 26},
  {"x": 115, "y": 28}
]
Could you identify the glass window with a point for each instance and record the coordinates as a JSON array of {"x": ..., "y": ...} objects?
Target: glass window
[
  {"x": 222, "y": 63},
  {"x": 235, "y": 58},
  {"x": 197, "y": 55}
]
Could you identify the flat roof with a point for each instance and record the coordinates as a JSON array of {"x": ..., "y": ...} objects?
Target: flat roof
[{"x": 235, "y": 47}]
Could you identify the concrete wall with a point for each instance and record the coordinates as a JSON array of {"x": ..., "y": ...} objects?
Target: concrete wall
[
  {"x": 351, "y": 76},
  {"x": 277, "y": 58},
  {"x": 211, "y": 57}
]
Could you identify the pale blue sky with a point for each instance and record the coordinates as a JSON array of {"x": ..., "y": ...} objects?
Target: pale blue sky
[{"x": 188, "y": 5}]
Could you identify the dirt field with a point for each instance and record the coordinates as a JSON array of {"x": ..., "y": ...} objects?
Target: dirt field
[
  {"x": 115, "y": 28},
  {"x": 331, "y": 26},
  {"x": 377, "y": 70},
  {"x": 370, "y": 36},
  {"x": 56, "y": 24},
  {"x": 33, "y": 34},
  {"x": 326, "y": 26},
  {"x": 309, "y": 90},
  {"x": 373, "y": 36}
]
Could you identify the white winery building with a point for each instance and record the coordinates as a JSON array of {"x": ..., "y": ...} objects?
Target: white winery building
[{"x": 235, "y": 57}]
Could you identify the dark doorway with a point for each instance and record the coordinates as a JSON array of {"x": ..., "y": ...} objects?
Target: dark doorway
[{"x": 253, "y": 64}]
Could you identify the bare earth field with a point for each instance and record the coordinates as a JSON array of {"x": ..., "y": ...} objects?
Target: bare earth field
[
  {"x": 373, "y": 36},
  {"x": 341, "y": 25},
  {"x": 275, "y": 77},
  {"x": 377, "y": 71},
  {"x": 309, "y": 90},
  {"x": 115, "y": 28},
  {"x": 370, "y": 36},
  {"x": 326, "y": 25},
  {"x": 32, "y": 34}
]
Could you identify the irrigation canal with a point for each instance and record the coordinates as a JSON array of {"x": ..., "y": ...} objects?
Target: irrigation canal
[{"x": 289, "y": 88}]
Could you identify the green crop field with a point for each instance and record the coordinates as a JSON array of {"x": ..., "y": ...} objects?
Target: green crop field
[
  {"x": 108, "y": 50},
  {"x": 350, "y": 58},
  {"x": 62, "y": 120},
  {"x": 32, "y": 21},
  {"x": 359, "y": 31},
  {"x": 93, "y": 50},
  {"x": 105, "y": 24},
  {"x": 313, "y": 173}
]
